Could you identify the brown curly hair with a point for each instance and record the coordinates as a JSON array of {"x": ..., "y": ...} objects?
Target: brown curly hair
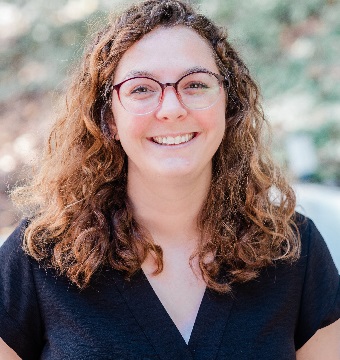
[{"x": 80, "y": 215}]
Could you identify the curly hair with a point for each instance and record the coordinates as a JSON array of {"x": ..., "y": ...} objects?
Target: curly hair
[{"x": 80, "y": 215}]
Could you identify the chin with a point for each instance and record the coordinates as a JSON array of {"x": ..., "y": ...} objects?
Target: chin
[
  {"x": 178, "y": 170},
  {"x": 175, "y": 167}
]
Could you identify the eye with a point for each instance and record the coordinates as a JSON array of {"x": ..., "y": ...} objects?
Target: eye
[
  {"x": 197, "y": 85},
  {"x": 195, "y": 88},
  {"x": 141, "y": 90}
]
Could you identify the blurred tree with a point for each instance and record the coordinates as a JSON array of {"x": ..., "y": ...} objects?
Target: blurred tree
[
  {"x": 287, "y": 44},
  {"x": 292, "y": 48}
]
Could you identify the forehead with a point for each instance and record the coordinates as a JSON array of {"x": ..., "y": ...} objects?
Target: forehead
[{"x": 166, "y": 53}]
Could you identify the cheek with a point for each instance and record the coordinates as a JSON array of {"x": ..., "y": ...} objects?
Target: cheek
[
  {"x": 214, "y": 121},
  {"x": 130, "y": 130},
  {"x": 126, "y": 125},
  {"x": 222, "y": 119}
]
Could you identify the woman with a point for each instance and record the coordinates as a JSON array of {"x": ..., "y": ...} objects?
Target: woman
[{"x": 154, "y": 232}]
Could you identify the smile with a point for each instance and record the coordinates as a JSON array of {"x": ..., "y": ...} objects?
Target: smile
[{"x": 170, "y": 140}]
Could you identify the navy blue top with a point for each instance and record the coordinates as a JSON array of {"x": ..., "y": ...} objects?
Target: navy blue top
[{"x": 44, "y": 316}]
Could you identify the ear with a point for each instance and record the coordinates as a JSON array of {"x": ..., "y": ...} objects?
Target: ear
[
  {"x": 107, "y": 123},
  {"x": 113, "y": 130},
  {"x": 116, "y": 135}
]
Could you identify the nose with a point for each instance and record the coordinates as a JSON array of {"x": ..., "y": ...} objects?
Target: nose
[{"x": 170, "y": 107}]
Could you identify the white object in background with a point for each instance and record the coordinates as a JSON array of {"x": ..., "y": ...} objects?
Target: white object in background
[
  {"x": 301, "y": 154},
  {"x": 322, "y": 204}
]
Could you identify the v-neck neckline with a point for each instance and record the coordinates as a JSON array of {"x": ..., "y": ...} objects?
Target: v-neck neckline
[
  {"x": 160, "y": 329},
  {"x": 170, "y": 308}
]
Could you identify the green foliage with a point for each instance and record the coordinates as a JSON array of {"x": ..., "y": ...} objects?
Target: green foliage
[
  {"x": 287, "y": 44},
  {"x": 37, "y": 59},
  {"x": 290, "y": 46}
]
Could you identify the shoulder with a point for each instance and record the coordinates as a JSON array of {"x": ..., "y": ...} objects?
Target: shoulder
[
  {"x": 12, "y": 254},
  {"x": 315, "y": 256},
  {"x": 320, "y": 296},
  {"x": 16, "y": 267},
  {"x": 309, "y": 235},
  {"x": 19, "y": 310}
]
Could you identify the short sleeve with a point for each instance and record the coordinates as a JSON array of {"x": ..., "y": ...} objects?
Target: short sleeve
[
  {"x": 20, "y": 323},
  {"x": 320, "y": 302}
]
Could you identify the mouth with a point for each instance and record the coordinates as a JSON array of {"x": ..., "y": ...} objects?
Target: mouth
[{"x": 173, "y": 140}]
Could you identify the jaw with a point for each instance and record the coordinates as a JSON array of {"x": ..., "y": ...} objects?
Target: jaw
[{"x": 170, "y": 173}]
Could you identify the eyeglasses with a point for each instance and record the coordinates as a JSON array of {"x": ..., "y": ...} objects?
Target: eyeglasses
[{"x": 197, "y": 91}]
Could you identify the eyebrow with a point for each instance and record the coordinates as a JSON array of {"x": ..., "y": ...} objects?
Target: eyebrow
[{"x": 135, "y": 73}]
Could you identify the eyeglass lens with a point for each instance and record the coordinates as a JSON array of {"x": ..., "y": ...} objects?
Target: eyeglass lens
[{"x": 141, "y": 95}]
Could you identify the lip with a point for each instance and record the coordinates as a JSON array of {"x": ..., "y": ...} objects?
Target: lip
[{"x": 173, "y": 140}]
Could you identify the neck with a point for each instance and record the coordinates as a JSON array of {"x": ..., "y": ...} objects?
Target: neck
[{"x": 169, "y": 208}]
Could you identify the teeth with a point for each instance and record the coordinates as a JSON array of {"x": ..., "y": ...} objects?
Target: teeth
[{"x": 169, "y": 140}]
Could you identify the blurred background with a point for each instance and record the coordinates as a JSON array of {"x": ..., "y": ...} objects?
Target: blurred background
[{"x": 292, "y": 49}]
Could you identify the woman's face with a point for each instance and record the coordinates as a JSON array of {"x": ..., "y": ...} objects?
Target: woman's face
[{"x": 165, "y": 54}]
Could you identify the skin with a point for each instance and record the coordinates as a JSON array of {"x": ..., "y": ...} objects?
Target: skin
[
  {"x": 324, "y": 345},
  {"x": 6, "y": 353},
  {"x": 167, "y": 185},
  {"x": 175, "y": 56}
]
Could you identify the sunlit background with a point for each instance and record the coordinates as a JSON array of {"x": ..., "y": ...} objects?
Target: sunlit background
[{"x": 292, "y": 48}]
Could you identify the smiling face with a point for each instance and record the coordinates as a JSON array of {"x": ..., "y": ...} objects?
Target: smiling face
[{"x": 171, "y": 141}]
